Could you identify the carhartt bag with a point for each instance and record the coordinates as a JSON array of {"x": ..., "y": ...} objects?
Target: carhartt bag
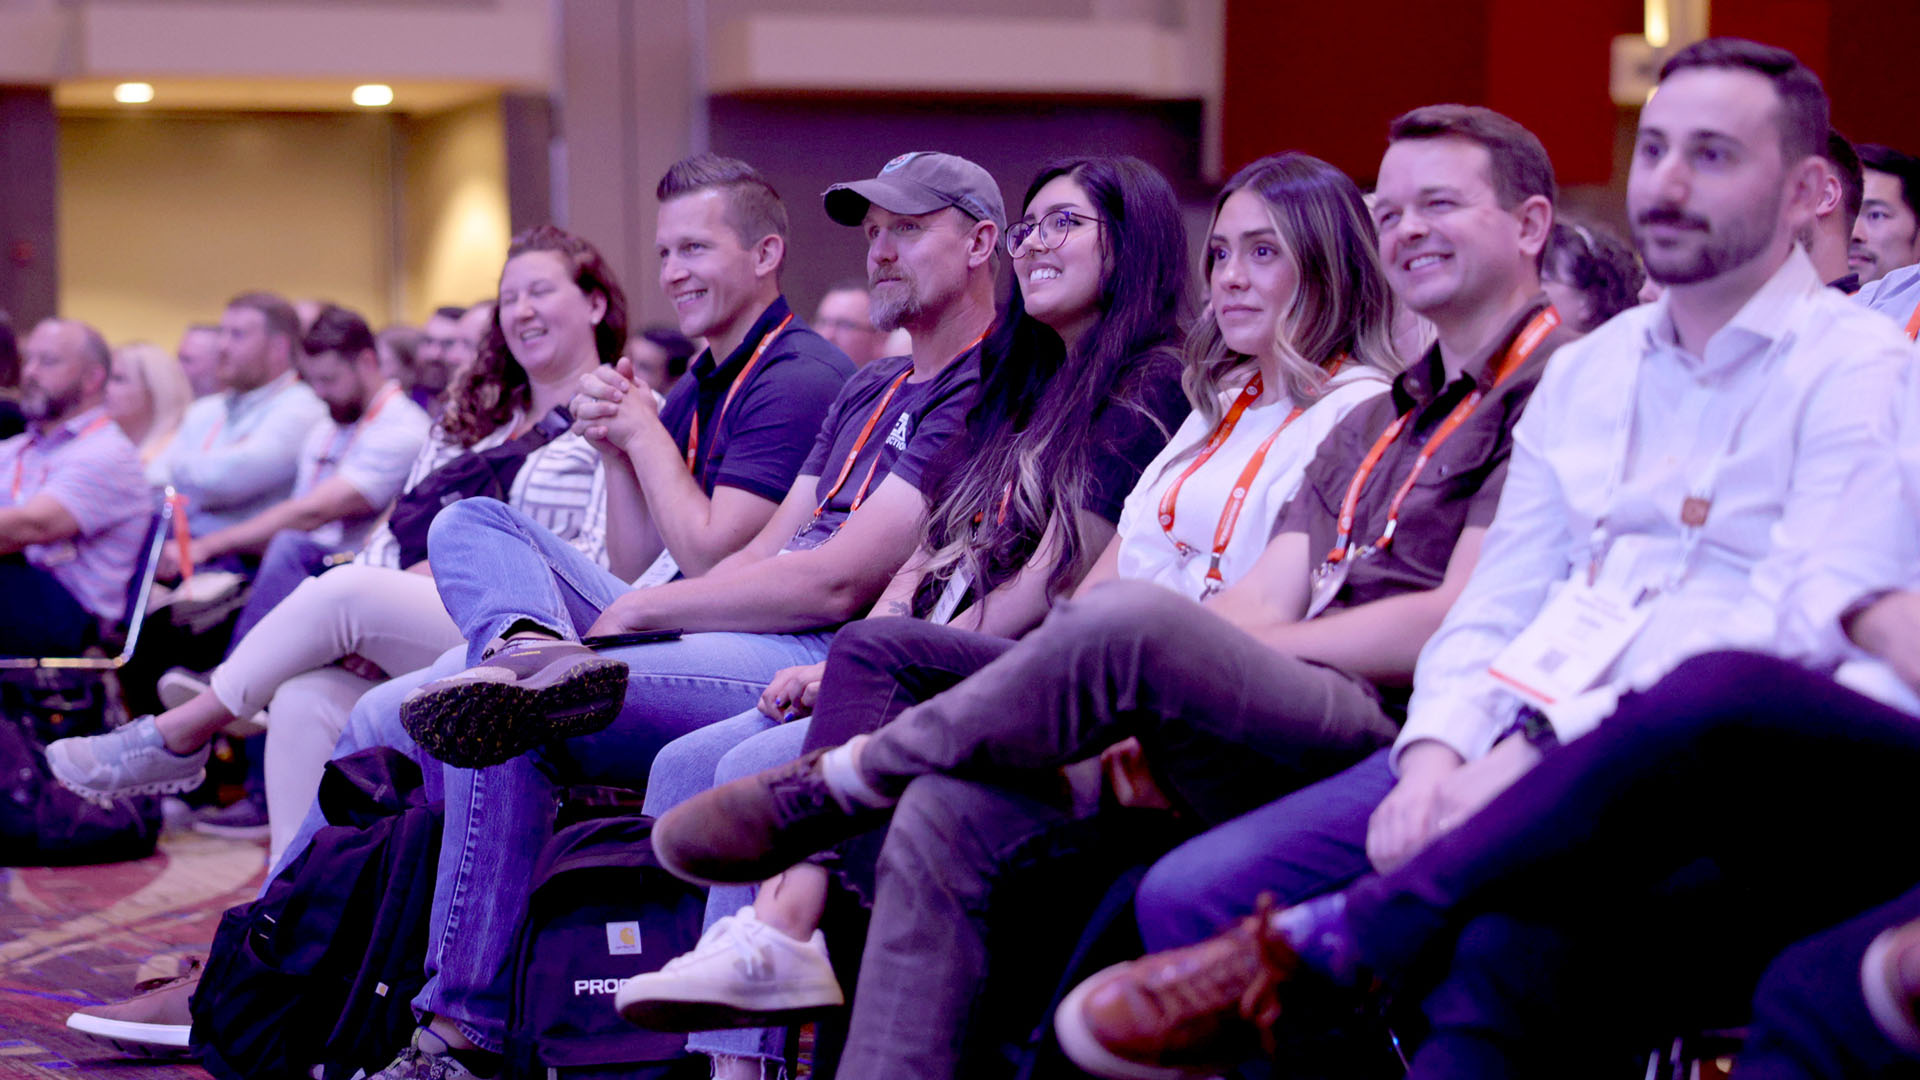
[
  {"x": 602, "y": 911},
  {"x": 485, "y": 473},
  {"x": 321, "y": 969}
]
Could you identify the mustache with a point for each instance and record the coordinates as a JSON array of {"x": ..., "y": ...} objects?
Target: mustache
[{"x": 1672, "y": 216}]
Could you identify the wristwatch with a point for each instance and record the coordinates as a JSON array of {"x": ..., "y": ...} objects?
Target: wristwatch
[{"x": 1532, "y": 725}]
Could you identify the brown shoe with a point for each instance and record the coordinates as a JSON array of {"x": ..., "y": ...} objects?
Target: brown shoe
[
  {"x": 155, "y": 1022},
  {"x": 1184, "y": 1013},
  {"x": 1890, "y": 978},
  {"x": 754, "y": 827}
]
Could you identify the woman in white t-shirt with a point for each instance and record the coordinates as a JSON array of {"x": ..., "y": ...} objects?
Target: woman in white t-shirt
[{"x": 1297, "y": 331}]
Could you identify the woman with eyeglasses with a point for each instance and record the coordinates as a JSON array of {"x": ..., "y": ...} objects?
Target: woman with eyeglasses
[{"x": 1296, "y": 333}]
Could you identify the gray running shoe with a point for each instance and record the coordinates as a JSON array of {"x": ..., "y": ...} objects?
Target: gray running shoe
[
  {"x": 132, "y": 759},
  {"x": 523, "y": 694}
]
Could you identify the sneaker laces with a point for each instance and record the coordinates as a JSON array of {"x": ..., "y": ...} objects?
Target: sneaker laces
[
  {"x": 1260, "y": 1003},
  {"x": 190, "y": 971},
  {"x": 731, "y": 932}
]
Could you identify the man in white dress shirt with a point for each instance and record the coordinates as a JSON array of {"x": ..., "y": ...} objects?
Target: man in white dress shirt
[{"x": 1669, "y": 476}]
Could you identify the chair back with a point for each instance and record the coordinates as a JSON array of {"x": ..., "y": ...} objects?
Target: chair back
[{"x": 139, "y": 593}]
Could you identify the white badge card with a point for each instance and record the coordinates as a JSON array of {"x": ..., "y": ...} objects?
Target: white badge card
[
  {"x": 1572, "y": 642},
  {"x": 663, "y": 570},
  {"x": 948, "y": 605}
]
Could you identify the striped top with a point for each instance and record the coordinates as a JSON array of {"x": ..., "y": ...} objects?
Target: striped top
[
  {"x": 87, "y": 466},
  {"x": 562, "y": 486}
]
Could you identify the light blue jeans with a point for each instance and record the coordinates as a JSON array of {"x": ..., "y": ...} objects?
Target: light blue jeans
[
  {"x": 494, "y": 568},
  {"x": 717, "y": 754}
]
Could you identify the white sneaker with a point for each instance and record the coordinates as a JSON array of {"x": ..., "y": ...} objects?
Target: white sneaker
[
  {"x": 743, "y": 973},
  {"x": 132, "y": 759},
  {"x": 179, "y": 686}
]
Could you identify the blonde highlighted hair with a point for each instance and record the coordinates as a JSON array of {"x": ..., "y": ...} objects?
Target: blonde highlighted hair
[
  {"x": 168, "y": 392},
  {"x": 1342, "y": 310}
]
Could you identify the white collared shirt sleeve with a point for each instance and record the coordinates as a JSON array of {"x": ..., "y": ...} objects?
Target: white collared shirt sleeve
[
  {"x": 1875, "y": 547},
  {"x": 261, "y": 459},
  {"x": 1526, "y": 553}
]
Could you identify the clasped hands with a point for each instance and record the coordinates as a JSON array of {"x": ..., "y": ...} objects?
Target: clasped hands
[{"x": 612, "y": 406}]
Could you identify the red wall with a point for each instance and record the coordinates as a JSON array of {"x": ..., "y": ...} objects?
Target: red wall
[{"x": 1327, "y": 78}]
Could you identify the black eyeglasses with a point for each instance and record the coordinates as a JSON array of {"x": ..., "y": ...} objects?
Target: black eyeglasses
[{"x": 1048, "y": 233}]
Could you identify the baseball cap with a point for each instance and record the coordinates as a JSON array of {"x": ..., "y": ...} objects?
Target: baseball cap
[{"x": 920, "y": 183}]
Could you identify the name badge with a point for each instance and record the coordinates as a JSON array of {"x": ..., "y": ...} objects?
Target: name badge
[
  {"x": 663, "y": 570},
  {"x": 949, "y": 603},
  {"x": 1327, "y": 580},
  {"x": 1570, "y": 644}
]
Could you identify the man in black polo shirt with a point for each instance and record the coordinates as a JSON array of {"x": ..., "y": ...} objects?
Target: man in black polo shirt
[
  {"x": 690, "y": 483},
  {"x": 1285, "y": 678},
  {"x": 847, "y": 523}
]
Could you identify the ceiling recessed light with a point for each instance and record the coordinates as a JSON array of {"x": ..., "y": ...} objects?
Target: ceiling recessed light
[
  {"x": 373, "y": 95},
  {"x": 133, "y": 93}
]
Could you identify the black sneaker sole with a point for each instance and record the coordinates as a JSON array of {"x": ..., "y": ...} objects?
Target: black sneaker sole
[{"x": 476, "y": 724}]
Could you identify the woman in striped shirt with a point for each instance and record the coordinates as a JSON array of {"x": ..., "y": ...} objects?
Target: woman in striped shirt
[{"x": 311, "y": 657}]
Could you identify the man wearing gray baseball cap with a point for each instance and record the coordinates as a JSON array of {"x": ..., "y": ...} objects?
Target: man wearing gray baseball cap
[
  {"x": 932, "y": 223},
  {"x": 920, "y": 183}
]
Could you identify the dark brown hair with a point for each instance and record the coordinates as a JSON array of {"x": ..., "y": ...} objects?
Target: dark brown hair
[
  {"x": 1803, "y": 101},
  {"x": 754, "y": 209},
  {"x": 282, "y": 321},
  {"x": 1521, "y": 167}
]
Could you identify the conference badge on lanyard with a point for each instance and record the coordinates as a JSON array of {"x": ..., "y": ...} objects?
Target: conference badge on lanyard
[{"x": 1571, "y": 644}]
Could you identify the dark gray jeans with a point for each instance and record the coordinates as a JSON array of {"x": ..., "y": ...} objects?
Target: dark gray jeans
[{"x": 1227, "y": 723}]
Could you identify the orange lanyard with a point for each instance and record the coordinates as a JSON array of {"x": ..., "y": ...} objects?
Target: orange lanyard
[
  {"x": 1237, "y": 498},
  {"x": 693, "y": 433},
  {"x": 1913, "y": 324},
  {"x": 182, "y": 534},
  {"x": 20, "y": 463},
  {"x": 331, "y": 462},
  {"x": 860, "y": 443},
  {"x": 1522, "y": 347}
]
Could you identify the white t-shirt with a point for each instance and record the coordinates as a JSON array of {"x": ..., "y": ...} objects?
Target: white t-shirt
[
  {"x": 373, "y": 454},
  {"x": 1148, "y": 554}
]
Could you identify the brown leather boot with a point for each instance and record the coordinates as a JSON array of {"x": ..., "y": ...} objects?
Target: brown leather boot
[{"x": 1184, "y": 1013}]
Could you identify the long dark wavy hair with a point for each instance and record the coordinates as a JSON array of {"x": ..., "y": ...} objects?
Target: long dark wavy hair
[
  {"x": 492, "y": 388},
  {"x": 1030, "y": 430}
]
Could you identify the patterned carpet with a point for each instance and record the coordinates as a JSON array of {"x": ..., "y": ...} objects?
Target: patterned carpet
[{"x": 81, "y": 935}]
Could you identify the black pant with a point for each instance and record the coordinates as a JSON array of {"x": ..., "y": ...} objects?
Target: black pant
[
  {"x": 1641, "y": 877},
  {"x": 38, "y": 616},
  {"x": 876, "y": 669}
]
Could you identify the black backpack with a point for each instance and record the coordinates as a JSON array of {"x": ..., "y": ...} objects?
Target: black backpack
[
  {"x": 44, "y": 824},
  {"x": 602, "y": 910},
  {"x": 322, "y": 968}
]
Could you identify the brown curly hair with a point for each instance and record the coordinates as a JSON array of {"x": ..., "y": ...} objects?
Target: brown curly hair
[{"x": 488, "y": 391}]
